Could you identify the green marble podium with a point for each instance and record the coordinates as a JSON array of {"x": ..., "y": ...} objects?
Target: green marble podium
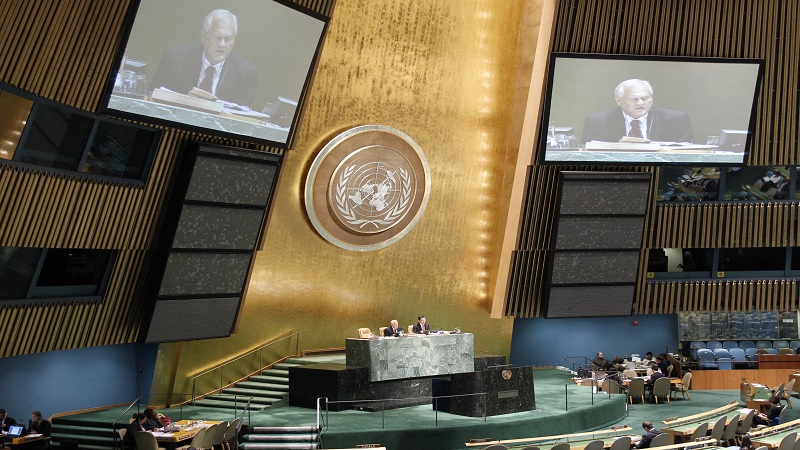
[{"x": 412, "y": 356}]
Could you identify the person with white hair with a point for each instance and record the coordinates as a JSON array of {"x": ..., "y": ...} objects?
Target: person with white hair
[
  {"x": 636, "y": 117},
  {"x": 211, "y": 65}
]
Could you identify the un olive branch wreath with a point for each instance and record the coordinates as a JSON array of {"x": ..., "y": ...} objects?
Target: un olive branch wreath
[{"x": 348, "y": 213}]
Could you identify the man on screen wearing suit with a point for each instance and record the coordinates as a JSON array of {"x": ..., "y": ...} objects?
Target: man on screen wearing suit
[
  {"x": 211, "y": 66},
  {"x": 422, "y": 325},
  {"x": 636, "y": 117}
]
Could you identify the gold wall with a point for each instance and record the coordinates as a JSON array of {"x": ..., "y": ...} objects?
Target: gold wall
[{"x": 446, "y": 73}]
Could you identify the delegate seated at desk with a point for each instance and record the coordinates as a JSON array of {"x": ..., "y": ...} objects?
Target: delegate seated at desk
[
  {"x": 771, "y": 418},
  {"x": 393, "y": 329},
  {"x": 6, "y": 421},
  {"x": 649, "y": 433},
  {"x": 421, "y": 326},
  {"x": 211, "y": 66},
  {"x": 600, "y": 363},
  {"x": 636, "y": 117},
  {"x": 136, "y": 425}
]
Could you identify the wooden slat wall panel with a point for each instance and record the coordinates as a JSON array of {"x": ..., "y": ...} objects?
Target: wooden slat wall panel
[
  {"x": 63, "y": 50},
  {"x": 766, "y": 29}
]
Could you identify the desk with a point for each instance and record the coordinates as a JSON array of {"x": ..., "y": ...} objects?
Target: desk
[
  {"x": 186, "y": 431},
  {"x": 21, "y": 441},
  {"x": 199, "y": 119},
  {"x": 779, "y": 361},
  {"x": 412, "y": 356},
  {"x": 680, "y": 429},
  {"x": 586, "y": 436}
]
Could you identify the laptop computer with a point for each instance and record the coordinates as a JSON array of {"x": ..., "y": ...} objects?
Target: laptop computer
[{"x": 15, "y": 431}]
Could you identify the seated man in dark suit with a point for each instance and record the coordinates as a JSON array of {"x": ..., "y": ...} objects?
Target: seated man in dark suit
[
  {"x": 6, "y": 421},
  {"x": 211, "y": 66},
  {"x": 636, "y": 117},
  {"x": 421, "y": 326},
  {"x": 656, "y": 375},
  {"x": 393, "y": 329},
  {"x": 649, "y": 433}
]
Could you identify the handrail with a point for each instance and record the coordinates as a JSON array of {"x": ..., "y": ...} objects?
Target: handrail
[
  {"x": 237, "y": 358},
  {"x": 114, "y": 425}
]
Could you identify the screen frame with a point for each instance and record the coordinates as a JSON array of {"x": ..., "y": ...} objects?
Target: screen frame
[
  {"x": 124, "y": 37},
  {"x": 546, "y": 106}
]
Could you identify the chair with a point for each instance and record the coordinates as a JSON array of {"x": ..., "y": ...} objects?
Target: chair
[
  {"x": 699, "y": 432},
  {"x": 787, "y": 393},
  {"x": 763, "y": 447},
  {"x": 669, "y": 370},
  {"x": 780, "y": 344},
  {"x": 729, "y": 434},
  {"x": 794, "y": 344},
  {"x": 785, "y": 351},
  {"x": 496, "y": 447},
  {"x": 636, "y": 389},
  {"x": 611, "y": 387},
  {"x": 530, "y": 447},
  {"x": 730, "y": 344},
  {"x": 746, "y": 424},
  {"x": 788, "y": 441},
  {"x": 661, "y": 389},
  {"x": 763, "y": 344},
  {"x": 718, "y": 429},
  {"x": 146, "y": 441},
  {"x": 623, "y": 443},
  {"x": 629, "y": 373},
  {"x": 779, "y": 391},
  {"x": 380, "y": 330},
  {"x": 219, "y": 435},
  {"x": 713, "y": 345},
  {"x": 364, "y": 333},
  {"x": 724, "y": 360},
  {"x": 411, "y": 329},
  {"x": 121, "y": 433},
  {"x": 694, "y": 346},
  {"x": 707, "y": 359},
  {"x": 778, "y": 420},
  {"x": 747, "y": 344},
  {"x": 561, "y": 446},
  {"x": 594, "y": 445},
  {"x": 682, "y": 387},
  {"x": 232, "y": 435},
  {"x": 198, "y": 441},
  {"x": 660, "y": 440},
  {"x": 771, "y": 351},
  {"x": 751, "y": 355},
  {"x": 738, "y": 357}
]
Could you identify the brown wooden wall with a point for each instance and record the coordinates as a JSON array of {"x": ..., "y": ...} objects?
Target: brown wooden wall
[
  {"x": 766, "y": 29},
  {"x": 63, "y": 50}
]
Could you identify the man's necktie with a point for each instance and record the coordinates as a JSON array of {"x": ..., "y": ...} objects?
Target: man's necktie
[
  {"x": 636, "y": 129},
  {"x": 208, "y": 80}
]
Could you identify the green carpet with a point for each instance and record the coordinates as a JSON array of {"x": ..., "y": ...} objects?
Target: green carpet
[{"x": 561, "y": 407}]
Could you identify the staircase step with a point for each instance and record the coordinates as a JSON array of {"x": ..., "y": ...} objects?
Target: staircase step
[
  {"x": 276, "y": 446},
  {"x": 283, "y": 430},
  {"x": 258, "y": 393},
  {"x": 229, "y": 404},
  {"x": 285, "y": 365},
  {"x": 242, "y": 400},
  {"x": 267, "y": 378},
  {"x": 276, "y": 373},
  {"x": 252, "y": 383},
  {"x": 267, "y": 382},
  {"x": 281, "y": 438}
]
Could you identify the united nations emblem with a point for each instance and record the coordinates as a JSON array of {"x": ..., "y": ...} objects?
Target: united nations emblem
[
  {"x": 367, "y": 188},
  {"x": 507, "y": 374}
]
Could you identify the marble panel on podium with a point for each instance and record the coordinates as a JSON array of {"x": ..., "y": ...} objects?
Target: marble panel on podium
[{"x": 412, "y": 356}]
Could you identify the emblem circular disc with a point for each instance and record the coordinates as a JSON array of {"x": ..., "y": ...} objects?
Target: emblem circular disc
[{"x": 367, "y": 188}]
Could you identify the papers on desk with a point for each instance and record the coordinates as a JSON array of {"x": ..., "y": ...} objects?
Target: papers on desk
[
  {"x": 163, "y": 434},
  {"x": 176, "y": 98},
  {"x": 651, "y": 146},
  {"x": 32, "y": 435}
]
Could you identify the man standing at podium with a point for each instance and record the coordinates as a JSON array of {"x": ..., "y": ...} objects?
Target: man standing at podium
[{"x": 635, "y": 117}]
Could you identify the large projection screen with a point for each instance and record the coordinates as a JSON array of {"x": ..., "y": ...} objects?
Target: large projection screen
[
  {"x": 263, "y": 65},
  {"x": 700, "y": 110}
]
